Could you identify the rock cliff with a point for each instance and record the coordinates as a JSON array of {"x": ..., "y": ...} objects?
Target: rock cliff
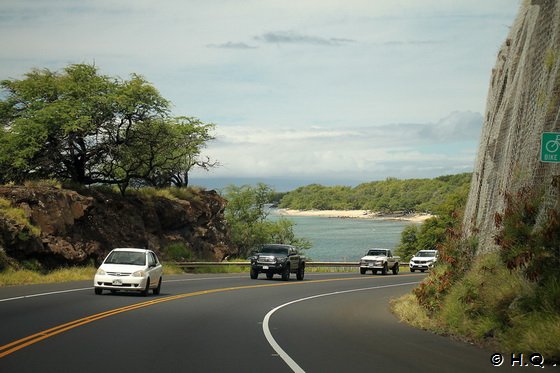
[
  {"x": 523, "y": 102},
  {"x": 77, "y": 228}
]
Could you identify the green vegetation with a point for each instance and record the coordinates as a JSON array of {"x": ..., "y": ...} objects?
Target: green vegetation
[
  {"x": 88, "y": 128},
  {"x": 509, "y": 299},
  {"x": 381, "y": 196},
  {"x": 434, "y": 231},
  {"x": 28, "y": 276},
  {"x": 246, "y": 215},
  {"x": 19, "y": 217}
]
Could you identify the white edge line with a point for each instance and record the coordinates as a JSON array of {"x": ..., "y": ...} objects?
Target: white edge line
[
  {"x": 287, "y": 359},
  {"x": 43, "y": 294},
  {"x": 89, "y": 288}
]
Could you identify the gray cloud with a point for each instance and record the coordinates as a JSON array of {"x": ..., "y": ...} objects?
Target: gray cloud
[
  {"x": 232, "y": 45},
  {"x": 291, "y": 37}
]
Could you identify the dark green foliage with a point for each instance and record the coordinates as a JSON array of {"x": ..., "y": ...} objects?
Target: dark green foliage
[
  {"x": 88, "y": 128},
  {"x": 246, "y": 215},
  {"x": 178, "y": 252},
  {"x": 383, "y": 196}
]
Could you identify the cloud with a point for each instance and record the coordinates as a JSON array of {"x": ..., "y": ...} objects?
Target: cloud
[
  {"x": 373, "y": 152},
  {"x": 292, "y": 37},
  {"x": 232, "y": 45}
]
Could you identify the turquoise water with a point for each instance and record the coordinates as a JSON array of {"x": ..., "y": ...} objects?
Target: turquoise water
[{"x": 337, "y": 239}]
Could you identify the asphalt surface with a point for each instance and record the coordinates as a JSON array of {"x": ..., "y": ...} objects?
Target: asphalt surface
[{"x": 225, "y": 323}]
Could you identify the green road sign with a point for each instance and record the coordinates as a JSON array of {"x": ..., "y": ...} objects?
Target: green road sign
[{"x": 550, "y": 147}]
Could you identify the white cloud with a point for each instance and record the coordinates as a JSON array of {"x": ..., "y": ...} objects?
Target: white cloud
[
  {"x": 307, "y": 87},
  {"x": 356, "y": 152}
]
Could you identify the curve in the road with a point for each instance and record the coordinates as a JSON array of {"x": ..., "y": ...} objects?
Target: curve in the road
[
  {"x": 37, "y": 337},
  {"x": 281, "y": 353}
]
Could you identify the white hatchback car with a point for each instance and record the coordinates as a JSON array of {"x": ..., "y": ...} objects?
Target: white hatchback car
[{"x": 129, "y": 269}]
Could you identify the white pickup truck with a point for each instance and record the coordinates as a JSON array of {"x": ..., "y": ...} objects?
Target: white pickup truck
[{"x": 379, "y": 260}]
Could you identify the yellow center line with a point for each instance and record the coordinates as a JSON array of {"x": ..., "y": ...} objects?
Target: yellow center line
[{"x": 37, "y": 337}]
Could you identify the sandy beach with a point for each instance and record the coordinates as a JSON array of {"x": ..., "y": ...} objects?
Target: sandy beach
[{"x": 355, "y": 214}]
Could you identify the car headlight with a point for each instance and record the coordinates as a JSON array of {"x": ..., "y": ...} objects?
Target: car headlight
[
  {"x": 140, "y": 273},
  {"x": 100, "y": 272}
]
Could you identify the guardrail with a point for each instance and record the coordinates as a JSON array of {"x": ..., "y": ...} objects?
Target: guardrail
[{"x": 247, "y": 264}]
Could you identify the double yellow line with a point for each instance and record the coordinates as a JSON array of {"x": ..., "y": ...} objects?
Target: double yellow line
[{"x": 32, "y": 339}]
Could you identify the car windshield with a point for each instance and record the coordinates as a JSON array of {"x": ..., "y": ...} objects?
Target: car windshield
[
  {"x": 426, "y": 253},
  {"x": 127, "y": 257},
  {"x": 274, "y": 250},
  {"x": 376, "y": 252}
]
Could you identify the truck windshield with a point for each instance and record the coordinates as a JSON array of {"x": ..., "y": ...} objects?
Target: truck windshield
[
  {"x": 377, "y": 252},
  {"x": 274, "y": 250}
]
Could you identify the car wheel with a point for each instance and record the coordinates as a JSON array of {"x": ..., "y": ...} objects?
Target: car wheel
[
  {"x": 362, "y": 271},
  {"x": 412, "y": 270},
  {"x": 301, "y": 272},
  {"x": 254, "y": 274},
  {"x": 396, "y": 269},
  {"x": 286, "y": 273},
  {"x": 147, "y": 289},
  {"x": 384, "y": 270},
  {"x": 98, "y": 291},
  {"x": 158, "y": 289},
  {"x": 269, "y": 275}
]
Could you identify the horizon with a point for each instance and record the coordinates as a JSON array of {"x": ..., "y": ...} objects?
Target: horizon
[{"x": 310, "y": 92}]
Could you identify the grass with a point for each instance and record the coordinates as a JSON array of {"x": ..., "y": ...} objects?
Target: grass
[
  {"x": 18, "y": 216},
  {"x": 27, "y": 277},
  {"x": 495, "y": 306}
]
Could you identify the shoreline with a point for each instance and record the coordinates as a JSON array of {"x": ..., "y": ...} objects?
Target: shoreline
[{"x": 355, "y": 214}]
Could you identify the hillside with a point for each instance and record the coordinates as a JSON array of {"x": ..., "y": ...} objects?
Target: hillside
[
  {"x": 381, "y": 196},
  {"x": 50, "y": 227},
  {"x": 523, "y": 102}
]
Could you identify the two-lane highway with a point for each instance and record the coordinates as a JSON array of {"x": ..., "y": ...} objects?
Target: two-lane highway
[{"x": 224, "y": 323}]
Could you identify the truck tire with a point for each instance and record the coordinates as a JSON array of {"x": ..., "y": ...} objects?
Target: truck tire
[
  {"x": 300, "y": 272},
  {"x": 396, "y": 269},
  {"x": 286, "y": 273},
  {"x": 254, "y": 273},
  {"x": 384, "y": 270},
  {"x": 362, "y": 271}
]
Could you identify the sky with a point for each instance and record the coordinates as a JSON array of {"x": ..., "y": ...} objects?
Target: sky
[{"x": 301, "y": 91}]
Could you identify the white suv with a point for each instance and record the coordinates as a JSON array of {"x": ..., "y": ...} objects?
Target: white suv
[
  {"x": 129, "y": 269},
  {"x": 423, "y": 260}
]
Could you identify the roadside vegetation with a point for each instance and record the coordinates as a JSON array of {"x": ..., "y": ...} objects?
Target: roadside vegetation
[
  {"x": 510, "y": 299},
  {"x": 246, "y": 214}
]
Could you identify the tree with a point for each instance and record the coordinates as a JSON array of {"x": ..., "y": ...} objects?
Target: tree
[
  {"x": 246, "y": 215},
  {"x": 89, "y": 128}
]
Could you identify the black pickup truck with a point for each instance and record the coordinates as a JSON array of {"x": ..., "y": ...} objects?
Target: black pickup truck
[{"x": 279, "y": 259}]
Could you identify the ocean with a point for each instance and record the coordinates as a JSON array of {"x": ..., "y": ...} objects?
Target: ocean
[{"x": 343, "y": 239}]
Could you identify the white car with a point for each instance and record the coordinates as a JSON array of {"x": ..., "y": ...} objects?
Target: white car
[
  {"x": 423, "y": 260},
  {"x": 129, "y": 269}
]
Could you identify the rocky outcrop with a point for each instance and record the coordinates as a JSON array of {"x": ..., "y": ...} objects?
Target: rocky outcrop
[
  {"x": 523, "y": 102},
  {"x": 77, "y": 228}
]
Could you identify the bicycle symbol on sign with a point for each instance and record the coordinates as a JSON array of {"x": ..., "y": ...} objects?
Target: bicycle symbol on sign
[{"x": 553, "y": 145}]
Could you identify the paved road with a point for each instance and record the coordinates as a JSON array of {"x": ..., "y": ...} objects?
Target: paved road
[{"x": 225, "y": 323}]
